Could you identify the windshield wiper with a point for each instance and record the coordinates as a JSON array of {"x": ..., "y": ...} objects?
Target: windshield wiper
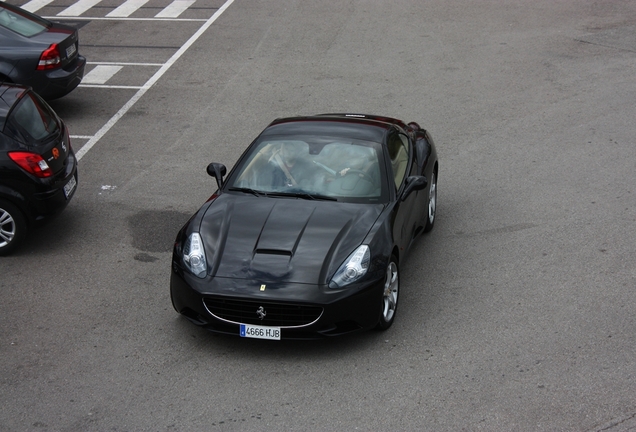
[
  {"x": 248, "y": 190},
  {"x": 303, "y": 195}
]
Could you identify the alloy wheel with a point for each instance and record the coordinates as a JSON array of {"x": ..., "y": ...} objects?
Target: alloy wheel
[
  {"x": 390, "y": 294},
  {"x": 7, "y": 228},
  {"x": 12, "y": 227},
  {"x": 432, "y": 202}
]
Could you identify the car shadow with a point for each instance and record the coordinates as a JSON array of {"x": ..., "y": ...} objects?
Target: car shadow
[
  {"x": 156, "y": 230},
  {"x": 71, "y": 106},
  {"x": 53, "y": 234}
]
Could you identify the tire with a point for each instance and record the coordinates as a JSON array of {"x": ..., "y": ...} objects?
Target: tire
[
  {"x": 389, "y": 295},
  {"x": 12, "y": 227},
  {"x": 432, "y": 203}
]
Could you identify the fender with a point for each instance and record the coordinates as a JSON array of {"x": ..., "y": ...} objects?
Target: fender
[
  {"x": 13, "y": 196},
  {"x": 17, "y": 200},
  {"x": 6, "y": 69}
]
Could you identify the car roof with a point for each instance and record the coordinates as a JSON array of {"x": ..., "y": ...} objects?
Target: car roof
[
  {"x": 355, "y": 126},
  {"x": 368, "y": 118}
]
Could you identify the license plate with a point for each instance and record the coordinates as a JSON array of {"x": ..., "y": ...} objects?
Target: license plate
[
  {"x": 260, "y": 332},
  {"x": 69, "y": 187},
  {"x": 71, "y": 50}
]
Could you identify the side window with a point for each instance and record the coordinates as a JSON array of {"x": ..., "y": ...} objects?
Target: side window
[{"x": 398, "y": 146}]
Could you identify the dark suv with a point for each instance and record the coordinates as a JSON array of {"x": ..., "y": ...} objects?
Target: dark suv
[{"x": 38, "y": 169}]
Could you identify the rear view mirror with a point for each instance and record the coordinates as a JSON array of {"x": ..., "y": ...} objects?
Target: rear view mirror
[
  {"x": 413, "y": 183},
  {"x": 217, "y": 171}
]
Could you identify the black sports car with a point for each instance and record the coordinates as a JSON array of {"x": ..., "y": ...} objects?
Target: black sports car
[
  {"x": 38, "y": 53},
  {"x": 305, "y": 236},
  {"x": 38, "y": 169}
]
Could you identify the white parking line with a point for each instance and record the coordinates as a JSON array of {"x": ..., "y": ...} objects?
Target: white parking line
[
  {"x": 123, "y": 87},
  {"x": 123, "y": 110},
  {"x": 98, "y": 77},
  {"x": 35, "y": 5},
  {"x": 127, "y": 8},
  {"x": 78, "y": 8},
  {"x": 174, "y": 9},
  {"x": 90, "y": 18},
  {"x": 124, "y": 64},
  {"x": 123, "y": 11},
  {"x": 100, "y": 74}
]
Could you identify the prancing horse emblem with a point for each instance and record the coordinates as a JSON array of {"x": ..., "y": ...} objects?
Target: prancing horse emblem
[{"x": 261, "y": 312}]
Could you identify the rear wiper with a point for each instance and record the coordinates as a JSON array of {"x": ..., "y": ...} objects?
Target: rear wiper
[
  {"x": 248, "y": 190},
  {"x": 303, "y": 195}
]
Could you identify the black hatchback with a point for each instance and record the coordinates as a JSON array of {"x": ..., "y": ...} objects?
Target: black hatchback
[
  {"x": 39, "y": 53},
  {"x": 38, "y": 169}
]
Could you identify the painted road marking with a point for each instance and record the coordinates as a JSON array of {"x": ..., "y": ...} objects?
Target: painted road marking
[
  {"x": 174, "y": 9},
  {"x": 100, "y": 74},
  {"x": 35, "y": 5},
  {"x": 152, "y": 81},
  {"x": 100, "y": 77},
  {"x": 78, "y": 8},
  {"x": 127, "y": 8},
  {"x": 83, "y": 18},
  {"x": 124, "y": 64},
  {"x": 123, "y": 11}
]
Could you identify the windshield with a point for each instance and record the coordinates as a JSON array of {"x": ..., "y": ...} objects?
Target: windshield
[
  {"x": 23, "y": 24},
  {"x": 319, "y": 166}
]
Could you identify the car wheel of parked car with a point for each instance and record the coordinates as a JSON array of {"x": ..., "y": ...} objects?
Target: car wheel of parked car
[
  {"x": 390, "y": 295},
  {"x": 12, "y": 227},
  {"x": 432, "y": 202}
]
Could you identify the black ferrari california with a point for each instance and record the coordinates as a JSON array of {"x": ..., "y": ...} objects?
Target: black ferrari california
[{"x": 305, "y": 236}]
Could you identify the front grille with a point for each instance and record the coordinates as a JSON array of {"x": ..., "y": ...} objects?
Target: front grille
[{"x": 276, "y": 314}]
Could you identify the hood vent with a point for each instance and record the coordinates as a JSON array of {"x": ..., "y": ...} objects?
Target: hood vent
[{"x": 273, "y": 252}]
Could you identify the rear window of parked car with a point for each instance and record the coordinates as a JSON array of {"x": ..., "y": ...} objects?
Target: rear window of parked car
[
  {"x": 32, "y": 120},
  {"x": 26, "y": 26}
]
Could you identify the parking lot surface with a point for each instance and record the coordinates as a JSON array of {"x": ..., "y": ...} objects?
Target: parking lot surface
[{"x": 517, "y": 312}]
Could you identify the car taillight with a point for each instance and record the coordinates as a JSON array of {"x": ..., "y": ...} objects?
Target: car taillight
[
  {"x": 50, "y": 58},
  {"x": 32, "y": 163}
]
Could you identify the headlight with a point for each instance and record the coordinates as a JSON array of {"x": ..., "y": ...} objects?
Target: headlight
[
  {"x": 194, "y": 255},
  {"x": 354, "y": 267}
]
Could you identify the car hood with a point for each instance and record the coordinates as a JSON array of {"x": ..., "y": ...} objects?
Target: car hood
[{"x": 283, "y": 240}]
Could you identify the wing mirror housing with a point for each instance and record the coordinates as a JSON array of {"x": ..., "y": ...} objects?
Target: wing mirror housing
[
  {"x": 217, "y": 170},
  {"x": 414, "y": 183}
]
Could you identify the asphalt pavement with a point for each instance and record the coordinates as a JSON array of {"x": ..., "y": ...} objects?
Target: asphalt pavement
[{"x": 517, "y": 312}]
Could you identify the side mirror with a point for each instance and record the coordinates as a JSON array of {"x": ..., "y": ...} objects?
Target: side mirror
[
  {"x": 217, "y": 171},
  {"x": 413, "y": 183}
]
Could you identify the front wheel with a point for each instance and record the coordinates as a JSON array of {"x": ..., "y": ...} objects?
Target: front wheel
[
  {"x": 390, "y": 295},
  {"x": 12, "y": 227}
]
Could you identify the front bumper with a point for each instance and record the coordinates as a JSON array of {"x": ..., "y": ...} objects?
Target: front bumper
[{"x": 302, "y": 311}]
